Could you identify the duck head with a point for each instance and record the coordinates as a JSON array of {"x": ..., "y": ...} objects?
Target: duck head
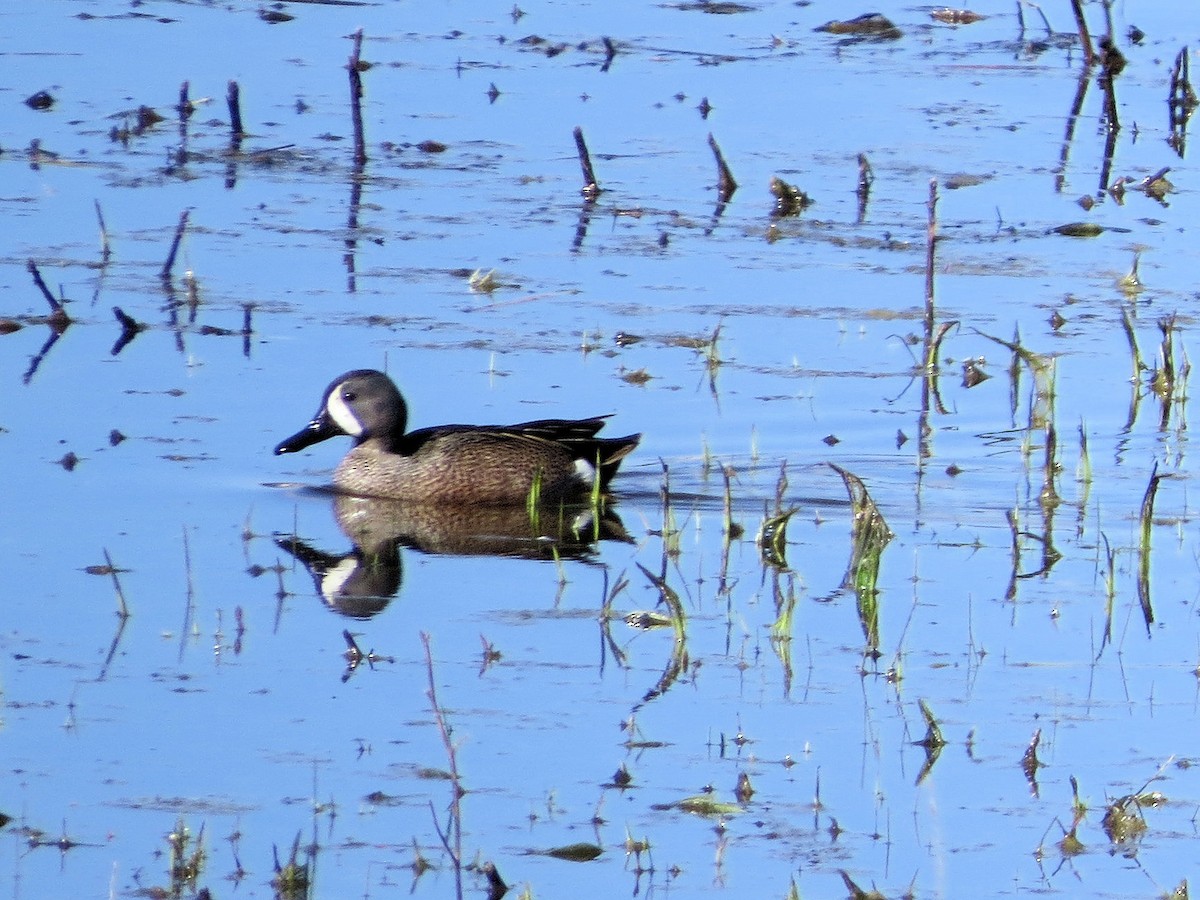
[{"x": 363, "y": 404}]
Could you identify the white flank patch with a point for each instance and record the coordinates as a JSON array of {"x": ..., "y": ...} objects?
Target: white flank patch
[
  {"x": 336, "y": 577},
  {"x": 341, "y": 413},
  {"x": 585, "y": 471}
]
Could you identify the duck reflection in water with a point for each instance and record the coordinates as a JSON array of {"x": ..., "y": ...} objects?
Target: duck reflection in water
[{"x": 360, "y": 584}]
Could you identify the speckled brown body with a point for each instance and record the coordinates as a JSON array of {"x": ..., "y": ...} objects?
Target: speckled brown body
[{"x": 482, "y": 466}]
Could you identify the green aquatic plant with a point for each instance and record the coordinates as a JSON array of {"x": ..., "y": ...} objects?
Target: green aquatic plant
[
  {"x": 292, "y": 879},
  {"x": 186, "y": 860}
]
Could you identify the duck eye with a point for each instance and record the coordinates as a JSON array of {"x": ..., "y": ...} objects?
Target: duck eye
[{"x": 349, "y": 396}]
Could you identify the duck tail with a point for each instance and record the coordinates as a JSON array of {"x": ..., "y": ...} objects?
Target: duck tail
[{"x": 610, "y": 452}]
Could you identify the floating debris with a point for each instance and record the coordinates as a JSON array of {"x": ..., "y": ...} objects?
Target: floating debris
[
  {"x": 701, "y": 805},
  {"x": 483, "y": 282},
  {"x": 872, "y": 25},
  {"x": 956, "y": 16},
  {"x": 1085, "y": 229},
  {"x": 645, "y": 620},
  {"x": 789, "y": 199},
  {"x": 42, "y": 100},
  {"x": 582, "y": 852}
]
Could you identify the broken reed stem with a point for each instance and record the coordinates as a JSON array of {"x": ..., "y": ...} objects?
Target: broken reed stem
[
  {"x": 123, "y": 612},
  {"x": 455, "y": 851},
  {"x": 233, "y": 98},
  {"x": 1085, "y": 38},
  {"x": 165, "y": 274},
  {"x": 105, "y": 248},
  {"x": 356, "y": 95},
  {"x": 591, "y": 187},
  {"x": 726, "y": 184}
]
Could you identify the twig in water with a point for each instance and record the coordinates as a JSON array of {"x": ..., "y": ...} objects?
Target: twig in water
[
  {"x": 356, "y": 94},
  {"x": 185, "y": 107},
  {"x": 726, "y": 184},
  {"x": 123, "y": 612},
  {"x": 55, "y": 306},
  {"x": 130, "y": 327},
  {"x": 190, "y": 598},
  {"x": 105, "y": 249},
  {"x": 591, "y": 187},
  {"x": 455, "y": 824},
  {"x": 165, "y": 274},
  {"x": 233, "y": 98},
  {"x": 1085, "y": 38},
  {"x": 610, "y": 52}
]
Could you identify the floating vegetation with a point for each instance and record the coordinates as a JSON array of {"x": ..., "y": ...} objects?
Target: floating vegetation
[
  {"x": 482, "y": 282},
  {"x": 789, "y": 199},
  {"x": 868, "y": 25},
  {"x": 701, "y": 805},
  {"x": 1079, "y": 229},
  {"x": 292, "y": 879},
  {"x": 956, "y": 16},
  {"x": 187, "y": 856},
  {"x": 581, "y": 852},
  {"x": 648, "y": 619}
]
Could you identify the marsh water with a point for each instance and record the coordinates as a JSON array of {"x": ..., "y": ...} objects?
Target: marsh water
[{"x": 772, "y": 722}]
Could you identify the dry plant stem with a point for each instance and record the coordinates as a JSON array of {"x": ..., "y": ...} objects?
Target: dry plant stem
[
  {"x": 455, "y": 849},
  {"x": 726, "y": 184},
  {"x": 1085, "y": 38},
  {"x": 165, "y": 274},
  {"x": 356, "y": 95},
  {"x": 591, "y": 187},
  {"x": 1021, "y": 16}
]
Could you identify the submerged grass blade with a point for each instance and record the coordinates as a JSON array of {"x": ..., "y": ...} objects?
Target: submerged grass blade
[
  {"x": 868, "y": 537},
  {"x": 772, "y": 538},
  {"x": 1145, "y": 521}
]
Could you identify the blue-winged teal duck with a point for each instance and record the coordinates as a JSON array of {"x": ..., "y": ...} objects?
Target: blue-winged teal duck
[{"x": 490, "y": 464}]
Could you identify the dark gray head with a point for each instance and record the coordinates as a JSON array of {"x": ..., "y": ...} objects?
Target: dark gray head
[{"x": 363, "y": 404}]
